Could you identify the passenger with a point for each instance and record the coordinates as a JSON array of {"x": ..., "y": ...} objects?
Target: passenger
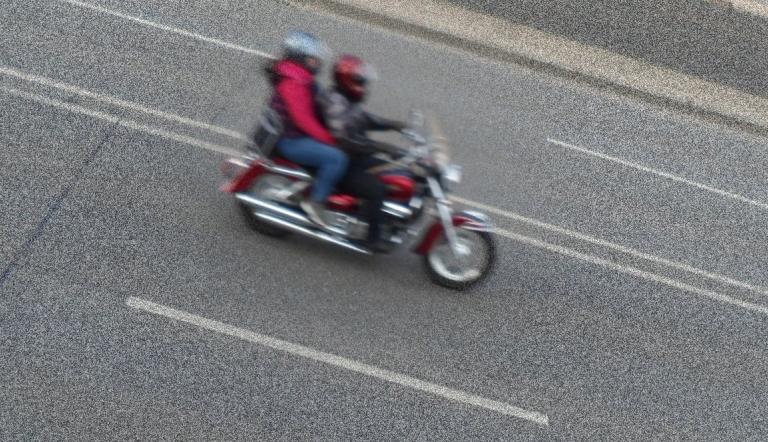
[{"x": 305, "y": 139}]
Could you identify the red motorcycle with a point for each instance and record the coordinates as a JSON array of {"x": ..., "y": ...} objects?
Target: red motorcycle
[{"x": 458, "y": 248}]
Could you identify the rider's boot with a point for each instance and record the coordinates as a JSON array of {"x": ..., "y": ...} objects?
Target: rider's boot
[
  {"x": 380, "y": 246},
  {"x": 375, "y": 243}
]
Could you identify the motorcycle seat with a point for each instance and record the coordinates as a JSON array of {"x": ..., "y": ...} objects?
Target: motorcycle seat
[{"x": 284, "y": 162}]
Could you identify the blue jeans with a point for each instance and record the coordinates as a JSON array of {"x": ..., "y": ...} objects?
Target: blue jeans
[{"x": 330, "y": 162}]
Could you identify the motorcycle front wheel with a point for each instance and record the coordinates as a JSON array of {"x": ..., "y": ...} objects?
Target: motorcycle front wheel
[{"x": 475, "y": 261}]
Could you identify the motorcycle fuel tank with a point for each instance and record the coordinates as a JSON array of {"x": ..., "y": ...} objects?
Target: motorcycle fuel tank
[{"x": 399, "y": 187}]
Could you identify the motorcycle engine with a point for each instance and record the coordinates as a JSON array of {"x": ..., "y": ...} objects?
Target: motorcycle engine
[{"x": 351, "y": 227}]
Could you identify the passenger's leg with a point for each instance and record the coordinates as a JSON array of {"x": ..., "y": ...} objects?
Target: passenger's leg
[{"x": 331, "y": 163}]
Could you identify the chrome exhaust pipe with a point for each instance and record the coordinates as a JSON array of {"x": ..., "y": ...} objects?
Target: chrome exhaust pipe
[
  {"x": 256, "y": 203},
  {"x": 317, "y": 234},
  {"x": 397, "y": 210},
  {"x": 294, "y": 221}
]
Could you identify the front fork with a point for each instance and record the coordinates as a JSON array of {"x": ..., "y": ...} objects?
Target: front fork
[
  {"x": 427, "y": 233},
  {"x": 446, "y": 218}
]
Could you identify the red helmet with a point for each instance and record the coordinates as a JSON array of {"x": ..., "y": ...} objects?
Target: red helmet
[{"x": 352, "y": 75}]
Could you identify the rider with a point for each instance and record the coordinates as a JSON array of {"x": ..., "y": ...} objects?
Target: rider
[
  {"x": 342, "y": 108},
  {"x": 305, "y": 139}
]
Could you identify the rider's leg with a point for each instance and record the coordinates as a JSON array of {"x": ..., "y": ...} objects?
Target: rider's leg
[{"x": 370, "y": 188}]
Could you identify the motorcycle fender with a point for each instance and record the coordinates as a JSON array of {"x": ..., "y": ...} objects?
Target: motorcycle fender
[
  {"x": 242, "y": 182},
  {"x": 466, "y": 220}
]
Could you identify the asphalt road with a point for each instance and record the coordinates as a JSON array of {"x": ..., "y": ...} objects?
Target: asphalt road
[{"x": 626, "y": 304}]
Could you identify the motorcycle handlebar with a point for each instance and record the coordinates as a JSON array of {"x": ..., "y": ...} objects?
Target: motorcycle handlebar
[{"x": 413, "y": 136}]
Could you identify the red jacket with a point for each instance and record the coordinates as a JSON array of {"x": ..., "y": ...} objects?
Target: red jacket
[{"x": 295, "y": 100}]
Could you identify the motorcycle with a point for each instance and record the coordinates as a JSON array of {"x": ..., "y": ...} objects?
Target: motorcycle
[{"x": 457, "y": 248}]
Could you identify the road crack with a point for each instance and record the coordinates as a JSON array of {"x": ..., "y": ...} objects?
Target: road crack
[{"x": 53, "y": 208}]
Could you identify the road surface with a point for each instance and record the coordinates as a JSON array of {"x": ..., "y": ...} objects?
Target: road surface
[{"x": 629, "y": 301}]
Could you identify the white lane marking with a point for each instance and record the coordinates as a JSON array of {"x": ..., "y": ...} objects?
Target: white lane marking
[
  {"x": 122, "y": 122},
  {"x": 634, "y": 272},
  {"x": 32, "y": 78},
  {"x": 337, "y": 361},
  {"x": 491, "y": 209},
  {"x": 169, "y": 28},
  {"x": 660, "y": 173},
  {"x": 629, "y": 251}
]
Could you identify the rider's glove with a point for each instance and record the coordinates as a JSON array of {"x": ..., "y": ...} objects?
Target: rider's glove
[
  {"x": 399, "y": 125},
  {"x": 390, "y": 149}
]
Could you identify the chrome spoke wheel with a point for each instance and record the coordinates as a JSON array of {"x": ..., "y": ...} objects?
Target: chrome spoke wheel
[
  {"x": 476, "y": 254},
  {"x": 270, "y": 187},
  {"x": 266, "y": 187}
]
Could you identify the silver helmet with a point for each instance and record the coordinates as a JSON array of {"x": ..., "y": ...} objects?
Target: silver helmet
[{"x": 301, "y": 45}]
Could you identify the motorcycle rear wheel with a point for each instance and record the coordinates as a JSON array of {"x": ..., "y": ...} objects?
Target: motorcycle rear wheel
[
  {"x": 459, "y": 274},
  {"x": 262, "y": 188}
]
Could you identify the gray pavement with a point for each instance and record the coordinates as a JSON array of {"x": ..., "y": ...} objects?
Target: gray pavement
[{"x": 98, "y": 213}]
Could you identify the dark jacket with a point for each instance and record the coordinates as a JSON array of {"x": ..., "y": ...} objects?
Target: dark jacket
[
  {"x": 349, "y": 123},
  {"x": 295, "y": 100}
]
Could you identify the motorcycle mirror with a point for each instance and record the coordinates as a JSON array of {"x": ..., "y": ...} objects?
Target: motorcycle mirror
[{"x": 415, "y": 118}]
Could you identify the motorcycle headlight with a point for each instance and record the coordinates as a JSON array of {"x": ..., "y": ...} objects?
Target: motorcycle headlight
[{"x": 452, "y": 175}]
